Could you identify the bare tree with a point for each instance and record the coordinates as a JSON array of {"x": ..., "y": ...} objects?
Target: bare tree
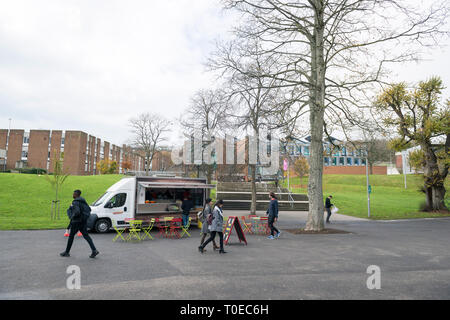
[
  {"x": 338, "y": 50},
  {"x": 258, "y": 100},
  {"x": 148, "y": 133},
  {"x": 206, "y": 116}
]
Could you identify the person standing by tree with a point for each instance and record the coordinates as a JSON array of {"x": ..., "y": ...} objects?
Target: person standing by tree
[
  {"x": 272, "y": 212},
  {"x": 328, "y": 206},
  {"x": 79, "y": 213},
  {"x": 186, "y": 206},
  {"x": 216, "y": 227}
]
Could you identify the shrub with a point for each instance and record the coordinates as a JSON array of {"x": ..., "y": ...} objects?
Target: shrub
[{"x": 32, "y": 171}]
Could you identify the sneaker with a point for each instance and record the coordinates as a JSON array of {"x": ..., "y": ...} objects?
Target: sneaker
[
  {"x": 66, "y": 234},
  {"x": 64, "y": 254},
  {"x": 271, "y": 237},
  {"x": 94, "y": 254},
  {"x": 79, "y": 234},
  {"x": 278, "y": 235},
  {"x": 222, "y": 251},
  {"x": 200, "y": 249}
]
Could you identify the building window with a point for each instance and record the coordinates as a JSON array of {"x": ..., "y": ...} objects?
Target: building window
[
  {"x": 349, "y": 161},
  {"x": 26, "y": 139},
  {"x": 350, "y": 152},
  {"x": 326, "y": 161},
  {"x": 63, "y": 139},
  {"x": 336, "y": 152},
  {"x": 306, "y": 151},
  {"x": 363, "y": 162},
  {"x": 342, "y": 161},
  {"x": 24, "y": 154},
  {"x": 344, "y": 151},
  {"x": 357, "y": 163},
  {"x": 334, "y": 161}
]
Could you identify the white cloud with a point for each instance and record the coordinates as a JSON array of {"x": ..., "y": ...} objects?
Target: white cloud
[{"x": 91, "y": 65}]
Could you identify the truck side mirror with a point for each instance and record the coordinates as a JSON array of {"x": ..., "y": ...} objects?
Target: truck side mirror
[{"x": 109, "y": 205}]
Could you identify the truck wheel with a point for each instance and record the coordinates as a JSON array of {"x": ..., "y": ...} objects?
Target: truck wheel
[{"x": 102, "y": 226}]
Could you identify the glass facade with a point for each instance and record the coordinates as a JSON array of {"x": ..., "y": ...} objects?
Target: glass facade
[{"x": 340, "y": 156}]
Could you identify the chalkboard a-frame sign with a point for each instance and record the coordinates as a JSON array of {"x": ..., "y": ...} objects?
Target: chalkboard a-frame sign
[{"x": 233, "y": 222}]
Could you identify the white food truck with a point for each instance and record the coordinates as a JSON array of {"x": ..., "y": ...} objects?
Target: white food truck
[{"x": 144, "y": 198}]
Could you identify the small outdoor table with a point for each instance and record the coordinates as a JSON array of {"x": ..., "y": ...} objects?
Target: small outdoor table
[{"x": 260, "y": 225}]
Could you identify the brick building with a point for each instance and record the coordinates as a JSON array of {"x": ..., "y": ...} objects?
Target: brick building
[{"x": 82, "y": 152}]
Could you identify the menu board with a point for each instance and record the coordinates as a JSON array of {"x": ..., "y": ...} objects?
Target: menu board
[{"x": 233, "y": 222}]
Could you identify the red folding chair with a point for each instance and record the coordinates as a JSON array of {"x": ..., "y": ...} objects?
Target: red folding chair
[
  {"x": 247, "y": 225},
  {"x": 162, "y": 227},
  {"x": 175, "y": 228}
]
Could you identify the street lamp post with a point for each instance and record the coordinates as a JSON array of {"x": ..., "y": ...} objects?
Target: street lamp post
[{"x": 368, "y": 187}]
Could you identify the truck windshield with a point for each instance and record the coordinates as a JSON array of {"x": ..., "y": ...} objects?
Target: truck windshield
[{"x": 100, "y": 200}]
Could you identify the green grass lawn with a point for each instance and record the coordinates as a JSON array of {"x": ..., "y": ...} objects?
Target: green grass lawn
[
  {"x": 25, "y": 199},
  {"x": 389, "y": 199}
]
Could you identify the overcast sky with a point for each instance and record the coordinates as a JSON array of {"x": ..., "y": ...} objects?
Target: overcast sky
[{"x": 91, "y": 65}]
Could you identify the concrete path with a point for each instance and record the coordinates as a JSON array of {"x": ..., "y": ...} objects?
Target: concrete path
[{"x": 413, "y": 257}]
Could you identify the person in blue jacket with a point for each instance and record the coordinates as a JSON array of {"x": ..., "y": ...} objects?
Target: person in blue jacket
[{"x": 272, "y": 213}]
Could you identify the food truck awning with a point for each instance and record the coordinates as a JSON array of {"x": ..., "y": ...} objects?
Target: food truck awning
[{"x": 176, "y": 185}]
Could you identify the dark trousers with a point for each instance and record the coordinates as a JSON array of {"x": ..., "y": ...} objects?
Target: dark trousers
[
  {"x": 74, "y": 228},
  {"x": 272, "y": 227},
  {"x": 328, "y": 214},
  {"x": 185, "y": 218},
  {"x": 212, "y": 237}
]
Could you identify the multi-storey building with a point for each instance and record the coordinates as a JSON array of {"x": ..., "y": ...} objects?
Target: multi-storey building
[
  {"x": 339, "y": 157},
  {"x": 81, "y": 152}
]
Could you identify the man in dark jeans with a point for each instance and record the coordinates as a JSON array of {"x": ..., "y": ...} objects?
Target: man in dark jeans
[
  {"x": 79, "y": 213},
  {"x": 328, "y": 206},
  {"x": 272, "y": 213},
  {"x": 186, "y": 207}
]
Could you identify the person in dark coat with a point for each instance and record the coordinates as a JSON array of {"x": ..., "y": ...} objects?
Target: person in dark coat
[
  {"x": 328, "y": 206},
  {"x": 216, "y": 227},
  {"x": 205, "y": 227},
  {"x": 79, "y": 213},
  {"x": 272, "y": 213},
  {"x": 186, "y": 207}
]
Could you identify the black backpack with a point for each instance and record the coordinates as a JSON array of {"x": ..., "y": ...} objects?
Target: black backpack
[{"x": 209, "y": 219}]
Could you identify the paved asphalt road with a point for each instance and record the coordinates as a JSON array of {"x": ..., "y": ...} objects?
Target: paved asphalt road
[{"x": 413, "y": 255}]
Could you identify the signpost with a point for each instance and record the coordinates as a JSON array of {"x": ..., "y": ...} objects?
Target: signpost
[
  {"x": 233, "y": 222},
  {"x": 369, "y": 187},
  {"x": 286, "y": 168},
  {"x": 404, "y": 164}
]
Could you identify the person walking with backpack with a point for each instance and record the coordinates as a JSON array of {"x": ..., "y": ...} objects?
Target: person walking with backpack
[
  {"x": 272, "y": 213},
  {"x": 207, "y": 210},
  {"x": 216, "y": 226},
  {"x": 79, "y": 213}
]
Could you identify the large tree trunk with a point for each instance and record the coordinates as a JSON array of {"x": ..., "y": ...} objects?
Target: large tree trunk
[
  {"x": 253, "y": 205},
  {"x": 209, "y": 179},
  {"x": 433, "y": 181},
  {"x": 317, "y": 108}
]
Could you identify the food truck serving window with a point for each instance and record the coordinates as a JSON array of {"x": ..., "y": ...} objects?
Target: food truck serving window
[{"x": 176, "y": 185}]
